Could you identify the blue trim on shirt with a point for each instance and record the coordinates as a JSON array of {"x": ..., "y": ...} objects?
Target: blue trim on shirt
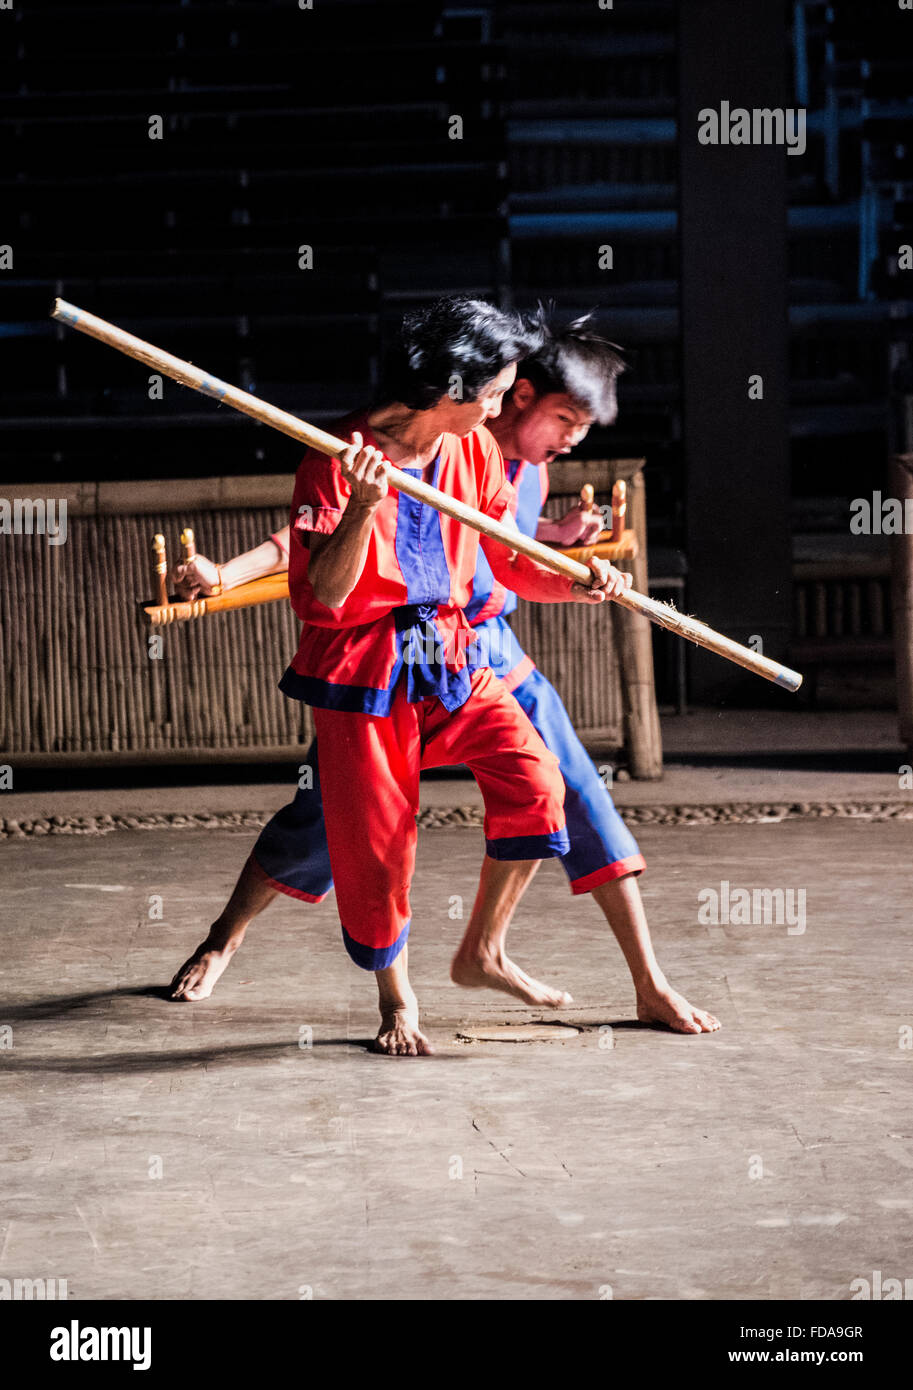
[
  {"x": 422, "y": 559},
  {"x": 529, "y": 508},
  {"x": 420, "y": 648},
  {"x": 356, "y": 699},
  {"x": 529, "y": 495},
  {"x": 483, "y": 583},
  {"x": 419, "y": 546},
  {"x": 418, "y": 639},
  {"x": 423, "y": 654},
  {"x": 496, "y": 645}
]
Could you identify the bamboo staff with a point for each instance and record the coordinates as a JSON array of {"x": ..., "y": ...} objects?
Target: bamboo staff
[
  {"x": 186, "y": 374},
  {"x": 161, "y": 566},
  {"x": 264, "y": 590}
]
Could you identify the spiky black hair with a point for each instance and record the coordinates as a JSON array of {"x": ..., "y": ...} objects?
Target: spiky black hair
[
  {"x": 456, "y": 336},
  {"x": 575, "y": 359}
]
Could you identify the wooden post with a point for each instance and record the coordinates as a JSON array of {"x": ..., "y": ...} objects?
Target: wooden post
[
  {"x": 189, "y": 545},
  {"x": 901, "y": 486},
  {"x": 161, "y": 567},
  {"x": 643, "y": 740},
  {"x": 619, "y": 508}
]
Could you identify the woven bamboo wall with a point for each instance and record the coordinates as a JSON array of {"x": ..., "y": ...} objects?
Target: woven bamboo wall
[
  {"x": 78, "y": 677},
  {"x": 78, "y": 680}
]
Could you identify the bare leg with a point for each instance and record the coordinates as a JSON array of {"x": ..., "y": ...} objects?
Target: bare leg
[
  {"x": 481, "y": 961},
  {"x": 198, "y": 975},
  {"x": 657, "y": 1001},
  {"x": 399, "y": 1034}
]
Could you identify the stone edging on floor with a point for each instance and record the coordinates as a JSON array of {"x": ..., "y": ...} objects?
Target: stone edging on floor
[{"x": 440, "y": 817}]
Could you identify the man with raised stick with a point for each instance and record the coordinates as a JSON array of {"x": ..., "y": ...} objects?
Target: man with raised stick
[{"x": 560, "y": 389}]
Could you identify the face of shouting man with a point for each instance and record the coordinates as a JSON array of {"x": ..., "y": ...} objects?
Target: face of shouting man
[{"x": 541, "y": 426}]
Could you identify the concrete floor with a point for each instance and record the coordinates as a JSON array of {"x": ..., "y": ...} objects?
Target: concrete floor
[
  {"x": 622, "y": 1158},
  {"x": 680, "y": 784},
  {"x": 720, "y": 756}
]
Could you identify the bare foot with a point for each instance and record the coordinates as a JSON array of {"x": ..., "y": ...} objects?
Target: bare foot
[
  {"x": 197, "y": 977},
  {"x": 399, "y": 1034},
  {"x": 662, "y": 1004},
  {"x": 500, "y": 972}
]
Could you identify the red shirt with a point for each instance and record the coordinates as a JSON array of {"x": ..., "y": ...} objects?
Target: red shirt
[{"x": 407, "y": 604}]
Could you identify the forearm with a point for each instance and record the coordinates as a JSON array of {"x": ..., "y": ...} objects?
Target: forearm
[
  {"x": 579, "y": 527},
  {"x": 550, "y": 531},
  {"x": 525, "y": 577},
  {"x": 337, "y": 560},
  {"x": 268, "y": 558}
]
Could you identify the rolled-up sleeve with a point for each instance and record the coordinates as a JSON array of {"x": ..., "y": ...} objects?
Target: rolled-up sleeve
[
  {"x": 320, "y": 498},
  {"x": 497, "y": 497},
  {"x": 524, "y": 576}
]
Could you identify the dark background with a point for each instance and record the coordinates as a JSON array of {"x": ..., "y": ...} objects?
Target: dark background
[{"x": 329, "y": 127}]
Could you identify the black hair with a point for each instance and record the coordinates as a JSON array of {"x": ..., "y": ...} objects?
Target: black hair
[
  {"x": 455, "y": 337},
  {"x": 573, "y": 358}
]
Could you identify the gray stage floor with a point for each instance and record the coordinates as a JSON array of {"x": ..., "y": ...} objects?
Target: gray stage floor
[{"x": 181, "y": 1151}]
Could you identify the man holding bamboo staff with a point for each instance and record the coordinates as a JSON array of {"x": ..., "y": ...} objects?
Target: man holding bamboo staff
[{"x": 566, "y": 383}]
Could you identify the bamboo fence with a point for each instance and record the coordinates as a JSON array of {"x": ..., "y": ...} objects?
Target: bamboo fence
[{"x": 80, "y": 682}]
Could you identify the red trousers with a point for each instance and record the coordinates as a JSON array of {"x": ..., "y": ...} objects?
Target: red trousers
[{"x": 369, "y": 775}]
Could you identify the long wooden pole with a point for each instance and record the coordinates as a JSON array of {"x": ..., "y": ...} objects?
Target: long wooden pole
[{"x": 186, "y": 374}]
